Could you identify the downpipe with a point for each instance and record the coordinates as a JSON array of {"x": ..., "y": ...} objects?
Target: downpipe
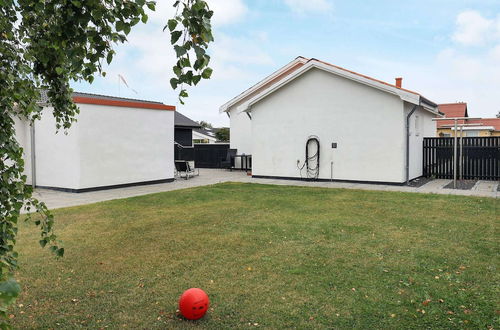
[{"x": 407, "y": 167}]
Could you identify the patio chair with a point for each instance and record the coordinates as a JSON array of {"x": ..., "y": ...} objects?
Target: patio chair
[
  {"x": 228, "y": 162},
  {"x": 184, "y": 166}
]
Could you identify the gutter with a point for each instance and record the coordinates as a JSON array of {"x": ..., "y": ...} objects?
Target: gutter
[{"x": 408, "y": 143}]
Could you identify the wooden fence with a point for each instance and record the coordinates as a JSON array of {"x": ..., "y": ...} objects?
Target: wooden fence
[
  {"x": 477, "y": 158},
  {"x": 204, "y": 155}
]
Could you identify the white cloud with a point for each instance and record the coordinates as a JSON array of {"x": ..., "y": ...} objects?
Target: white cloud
[
  {"x": 495, "y": 53},
  {"x": 227, "y": 11},
  {"x": 474, "y": 30},
  {"x": 309, "y": 6}
]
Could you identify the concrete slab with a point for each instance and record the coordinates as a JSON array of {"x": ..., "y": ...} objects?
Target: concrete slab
[
  {"x": 488, "y": 186},
  {"x": 58, "y": 199}
]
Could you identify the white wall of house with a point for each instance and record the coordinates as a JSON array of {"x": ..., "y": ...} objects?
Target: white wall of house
[
  {"x": 107, "y": 146},
  {"x": 367, "y": 124},
  {"x": 421, "y": 125},
  {"x": 239, "y": 136}
]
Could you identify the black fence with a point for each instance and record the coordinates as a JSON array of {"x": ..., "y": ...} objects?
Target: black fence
[
  {"x": 204, "y": 155},
  {"x": 477, "y": 158}
]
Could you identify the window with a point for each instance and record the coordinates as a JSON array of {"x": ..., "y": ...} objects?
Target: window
[
  {"x": 445, "y": 134},
  {"x": 472, "y": 133}
]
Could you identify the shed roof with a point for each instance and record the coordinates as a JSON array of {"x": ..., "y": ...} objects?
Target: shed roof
[{"x": 98, "y": 99}]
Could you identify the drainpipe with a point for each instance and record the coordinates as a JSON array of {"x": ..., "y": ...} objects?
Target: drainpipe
[
  {"x": 33, "y": 155},
  {"x": 408, "y": 143}
]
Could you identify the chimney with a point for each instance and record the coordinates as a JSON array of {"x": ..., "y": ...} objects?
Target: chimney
[{"x": 399, "y": 82}]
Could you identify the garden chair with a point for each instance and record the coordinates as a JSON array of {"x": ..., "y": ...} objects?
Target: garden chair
[
  {"x": 228, "y": 162},
  {"x": 184, "y": 166}
]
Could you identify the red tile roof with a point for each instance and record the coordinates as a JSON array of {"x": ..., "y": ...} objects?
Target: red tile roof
[
  {"x": 460, "y": 110},
  {"x": 452, "y": 110},
  {"x": 495, "y": 122}
]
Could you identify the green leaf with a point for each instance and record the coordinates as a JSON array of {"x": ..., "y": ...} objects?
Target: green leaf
[
  {"x": 120, "y": 26},
  {"x": 179, "y": 50},
  {"x": 177, "y": 71},
  {"x": 151, "y": 5},
  {"x": 185, "y": 63},
  {"x": 126, "y": 28},
  {"x": 144, "y": 18},
  {"x": 9, "y": 291},
  {"x": 196, "y": 79},
  {"x": 174, "y": 82},
  {"x": 175, "y": 35},
  {"x": 207, "y": 73},
  {"x": 172, "y": 23},
  {"x": 109, "y": 57},
  {"x": 60, "y": 252},
  {"x": 59, "y": 70}
]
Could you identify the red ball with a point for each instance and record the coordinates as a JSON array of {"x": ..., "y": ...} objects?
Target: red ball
[{"x": 193, "y": 303}]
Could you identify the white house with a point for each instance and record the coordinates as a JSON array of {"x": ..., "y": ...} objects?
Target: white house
[
  {"x": 204, "y": 135},
  {"x": 368, "y": 130},
  {"x": 116, "y": 142}
]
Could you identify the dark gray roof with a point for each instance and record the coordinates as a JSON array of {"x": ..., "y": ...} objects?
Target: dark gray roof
[
  {"x": 107, "y": 97},
  {"x": 182, "y": 121},
  {"x": 209, "y": 132}
]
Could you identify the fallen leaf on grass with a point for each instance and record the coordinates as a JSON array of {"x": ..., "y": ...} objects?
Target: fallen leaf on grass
[
  {"x": 393, "y": 315},
  {"x": 426, "y": 302}
]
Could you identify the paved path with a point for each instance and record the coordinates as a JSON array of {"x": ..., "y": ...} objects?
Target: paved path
[{"x": 56, "y": 199}]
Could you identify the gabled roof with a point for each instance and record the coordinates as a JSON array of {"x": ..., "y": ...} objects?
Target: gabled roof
[
  {"x": 98, "y": 99},
  {"x": 266, "y": 82},
  {"x": 301, "y": 65},
  {"x": 452, "y": 110},
  {"x": 182, "y": 121},
  {"x": 207, "y": 134}
]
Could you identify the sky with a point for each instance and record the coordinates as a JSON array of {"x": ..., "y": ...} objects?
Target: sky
[{"x": 447, "y": 50}]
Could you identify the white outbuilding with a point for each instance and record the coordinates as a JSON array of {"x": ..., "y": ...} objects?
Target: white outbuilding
[
  {"x": 315, "y": 120},
  {"x": 116, "y": 142}
]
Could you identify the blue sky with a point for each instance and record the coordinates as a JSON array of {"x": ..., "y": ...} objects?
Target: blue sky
[{"x": 448, "y": 50}]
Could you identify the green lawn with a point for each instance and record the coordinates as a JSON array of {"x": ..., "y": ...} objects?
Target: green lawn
[{"x": 268, "y": 256}]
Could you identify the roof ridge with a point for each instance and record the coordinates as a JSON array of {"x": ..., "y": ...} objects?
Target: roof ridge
[
  {"x": 83, "y": 94},
  {"x": 454, "y": 103},
  {"x": 365, "y": 76}
]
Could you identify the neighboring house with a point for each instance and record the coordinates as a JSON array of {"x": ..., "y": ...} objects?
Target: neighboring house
[
  {"x": 360, "y": 122},
  {"x": 204, "y": 135},
  {"x": 115, "y": 142},
  {"x": 210, "y": 135},
  {"x": 472, "y": 127},
  {"x": 184, "y": 130}
]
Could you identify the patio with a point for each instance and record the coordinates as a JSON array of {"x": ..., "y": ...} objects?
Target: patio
[{"x": 56, "y": 199}]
